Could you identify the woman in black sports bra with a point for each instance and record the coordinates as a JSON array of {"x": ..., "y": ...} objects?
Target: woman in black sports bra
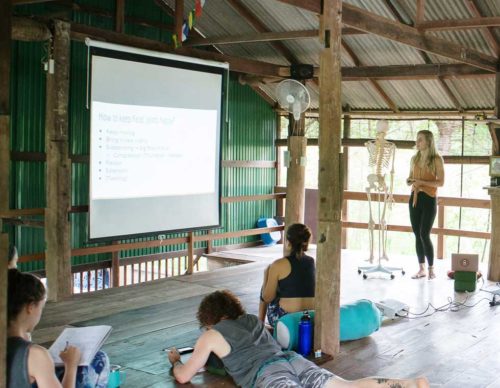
[{"x": 289, "y": 282}]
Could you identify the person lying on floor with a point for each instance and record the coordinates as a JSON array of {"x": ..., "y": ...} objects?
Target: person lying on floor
[
  {"x": 28, "y": 363},
  {"x": 253, "y": 358}
]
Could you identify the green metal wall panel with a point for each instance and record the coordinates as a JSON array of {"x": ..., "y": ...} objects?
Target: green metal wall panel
[{"x": 248, "y": 135}]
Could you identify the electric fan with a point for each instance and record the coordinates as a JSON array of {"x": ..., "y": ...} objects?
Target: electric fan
[{"x": 293, "y": 97}]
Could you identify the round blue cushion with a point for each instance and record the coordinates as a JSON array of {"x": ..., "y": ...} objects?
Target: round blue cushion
[{"x": 357, "y": 320}]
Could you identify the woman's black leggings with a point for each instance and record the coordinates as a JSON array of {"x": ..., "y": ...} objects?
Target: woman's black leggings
[{"x": 422, "y": 217}]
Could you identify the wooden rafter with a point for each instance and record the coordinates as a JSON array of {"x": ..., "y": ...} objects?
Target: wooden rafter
[
  {"x": 419, "y": 13},
  {"x": 460, "y": 24},
  {"x": 81, "y": 31},
  {"x": 246, "y": 14},
  {"x": 487, "y": 32},
  {"x": 377, "y": 25},
  {"x": 415, "y": 72},
  {"x": 19, "y": 2},
  {"x": 264, "y": 37},
  {"x": 375, "y": 84},
  {"x": 424, "y": 55},
  {"x": 259, "y": 37}
]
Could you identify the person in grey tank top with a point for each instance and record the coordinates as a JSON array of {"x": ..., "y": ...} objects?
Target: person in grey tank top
[
  {"x": 253, "y": 358},
  {"x": 28, "y": 363}
]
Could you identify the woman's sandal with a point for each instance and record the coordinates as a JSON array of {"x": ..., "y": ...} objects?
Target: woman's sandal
[
  {"x": 432, "y": 275},
  {"x": 419, "y": 274}
]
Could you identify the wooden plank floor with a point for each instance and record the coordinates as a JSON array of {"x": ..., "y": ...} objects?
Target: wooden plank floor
[{"x": 452, "y": 348}]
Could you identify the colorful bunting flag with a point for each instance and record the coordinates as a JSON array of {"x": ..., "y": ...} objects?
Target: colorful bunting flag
[{"x": 189, "y": 23}]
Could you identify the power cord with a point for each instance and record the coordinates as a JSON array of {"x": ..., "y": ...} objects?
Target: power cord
[{"x": 452, "y": 306}]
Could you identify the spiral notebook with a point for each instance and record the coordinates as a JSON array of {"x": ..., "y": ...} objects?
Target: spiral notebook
[{"x": 88, "y": 339}]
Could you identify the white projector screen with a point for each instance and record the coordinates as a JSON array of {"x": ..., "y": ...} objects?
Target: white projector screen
[{"x": 155, "y": 124}]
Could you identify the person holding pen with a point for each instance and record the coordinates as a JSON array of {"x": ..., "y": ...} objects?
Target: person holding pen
[{"x": 28, "y": 363}]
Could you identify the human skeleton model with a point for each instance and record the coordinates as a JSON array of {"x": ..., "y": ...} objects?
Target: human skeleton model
[
  {"x": 382, "y": 154},
  {"x": 381, "y": 162}
]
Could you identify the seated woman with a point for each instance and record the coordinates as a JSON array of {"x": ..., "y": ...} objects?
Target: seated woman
[
  {"x": 28, "y": 363},
  {"x": 289, "y": 282}
]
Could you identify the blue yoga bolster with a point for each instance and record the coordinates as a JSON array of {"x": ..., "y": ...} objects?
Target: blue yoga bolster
[{"x": 357, "y": 320}]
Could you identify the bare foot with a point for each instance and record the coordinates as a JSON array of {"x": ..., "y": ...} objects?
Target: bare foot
[
  {"x": 422, "y": 382},
  {"x": 432, "y": 275}
]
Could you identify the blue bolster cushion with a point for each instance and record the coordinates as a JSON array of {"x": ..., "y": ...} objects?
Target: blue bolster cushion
[{"x": 357, "y": 320}]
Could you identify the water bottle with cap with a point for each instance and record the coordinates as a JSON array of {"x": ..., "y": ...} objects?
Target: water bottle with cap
[{"x": 305, "y": 334}]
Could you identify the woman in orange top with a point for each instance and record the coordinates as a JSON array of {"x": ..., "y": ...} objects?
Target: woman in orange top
[{"x": 426, "y": 175}]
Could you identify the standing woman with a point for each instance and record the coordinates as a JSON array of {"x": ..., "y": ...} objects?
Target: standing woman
[
  {"x": 426, "y": 175},
  {"x": 289, "y": 282}
]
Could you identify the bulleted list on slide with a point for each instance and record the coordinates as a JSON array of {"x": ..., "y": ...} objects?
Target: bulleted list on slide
[{"x": 147, "y": 151}]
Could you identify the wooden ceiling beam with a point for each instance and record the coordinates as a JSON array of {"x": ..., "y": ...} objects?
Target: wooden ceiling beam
[
  {"x": 21, "y": 2},
  {"x": 487, "y": 32},
  {"x": 460, "y": 24},
  {"x": 263, "y": 37},
  {"x": 258, "y": 37},
  {"x": 413, "y": 72},
  {"x": 80, "y": 32},
  {"x": 377, "y": 25}
]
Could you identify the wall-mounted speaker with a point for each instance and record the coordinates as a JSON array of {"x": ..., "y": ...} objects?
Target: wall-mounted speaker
[{"x": 300, "y": 72}]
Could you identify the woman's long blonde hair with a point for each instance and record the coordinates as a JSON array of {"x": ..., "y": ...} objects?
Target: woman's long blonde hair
[{"x": 432, "y": 153}]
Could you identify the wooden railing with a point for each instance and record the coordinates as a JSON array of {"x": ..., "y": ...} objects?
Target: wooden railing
[
  {"x": 126, "y": 271},
  {"x": 132, "y": 270},
  {"x": 440, "y": 230}
]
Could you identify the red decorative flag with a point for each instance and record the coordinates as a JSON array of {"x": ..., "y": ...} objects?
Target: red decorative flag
[{"x": 197, "y": 8}]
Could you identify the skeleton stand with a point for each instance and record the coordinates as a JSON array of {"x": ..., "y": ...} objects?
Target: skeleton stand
[{"x": 381, "y": 236}]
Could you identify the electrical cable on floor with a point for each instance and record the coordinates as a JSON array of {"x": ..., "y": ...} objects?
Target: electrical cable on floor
[{"x": 452, "y": 306}]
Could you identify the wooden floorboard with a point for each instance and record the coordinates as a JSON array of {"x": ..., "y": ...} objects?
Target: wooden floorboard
[{"x": 452, "y": 348}]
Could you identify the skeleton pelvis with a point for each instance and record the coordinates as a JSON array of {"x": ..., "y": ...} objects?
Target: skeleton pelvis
[{"x": 377, "y": 182}]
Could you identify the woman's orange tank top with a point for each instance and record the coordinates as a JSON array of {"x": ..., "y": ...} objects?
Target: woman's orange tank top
[{"x": 426, "y": 175}]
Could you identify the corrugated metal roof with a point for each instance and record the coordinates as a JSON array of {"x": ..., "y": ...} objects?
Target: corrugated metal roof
[
  {"x": 376, "y": 51},
  {"x": 221, "y": 19},
  {"x": 417, "y": 94},
  {"x": 361, "y": 95},
  {"x": 474, "y": 93}
]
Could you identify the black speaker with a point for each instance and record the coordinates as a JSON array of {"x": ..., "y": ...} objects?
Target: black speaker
[{"x": 300, "y": 71}]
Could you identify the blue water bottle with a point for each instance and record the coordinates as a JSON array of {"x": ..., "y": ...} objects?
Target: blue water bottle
[{"x": 305, "y": 334}]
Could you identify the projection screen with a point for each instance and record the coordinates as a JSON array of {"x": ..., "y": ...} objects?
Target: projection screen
[{"x": 155, "y": 123}]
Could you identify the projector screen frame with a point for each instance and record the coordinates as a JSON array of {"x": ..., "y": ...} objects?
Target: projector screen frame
[{"x": 169, "y": 60}]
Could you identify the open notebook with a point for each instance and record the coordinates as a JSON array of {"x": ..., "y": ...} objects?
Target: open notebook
[{"x": 88, "y": 339}]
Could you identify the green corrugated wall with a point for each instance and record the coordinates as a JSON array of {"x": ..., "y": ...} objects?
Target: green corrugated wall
[{"x": 248, "y": 135}]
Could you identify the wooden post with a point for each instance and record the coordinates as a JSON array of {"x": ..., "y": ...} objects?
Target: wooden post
[
  {"x": 115, "y": 267},
  {"x": 5, "y": 56},
  {"x": 120, "y": 16},
  {"x": 210, "y": 243},
  {"x": 190, "y": 252},
  {"x": 58, "y": 182},
  {"x": 440, "y": 239},
  {"x": 345, "y": 165},
  {"x": 494, "y": 264},
  {"x": 330, "y": 182},
  {"x": 179, "y": 19},
  {"x": 295, "y": 180}
]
